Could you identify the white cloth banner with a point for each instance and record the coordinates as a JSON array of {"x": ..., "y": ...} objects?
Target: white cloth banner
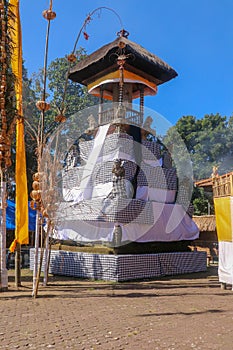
[
  {"x": 225, "y": 262},
  {"x": 155, "y": 194},
  {"x": 85, "y": 190},
  {"x": 181, "y": 227}
]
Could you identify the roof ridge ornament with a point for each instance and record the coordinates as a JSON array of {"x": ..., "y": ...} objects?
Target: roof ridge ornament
[{"x": 123, "y": 33}]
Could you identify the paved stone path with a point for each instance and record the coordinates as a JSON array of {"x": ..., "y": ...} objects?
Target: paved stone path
[{"x": 189, "y": 312}]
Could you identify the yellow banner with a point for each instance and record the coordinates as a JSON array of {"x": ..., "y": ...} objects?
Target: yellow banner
[
  {"x": 21, "y": 213},
  {"x": 223, "y": 213}
]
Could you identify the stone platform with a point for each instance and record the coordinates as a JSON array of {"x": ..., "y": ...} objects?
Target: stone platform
[{"x": 121, "y": 268}]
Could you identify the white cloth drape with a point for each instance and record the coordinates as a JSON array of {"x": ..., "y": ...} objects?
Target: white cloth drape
[
  {"x": 225, "y": 262},
  {"x": 155, "y": 194},
  {"x": 171, "y": 224}
]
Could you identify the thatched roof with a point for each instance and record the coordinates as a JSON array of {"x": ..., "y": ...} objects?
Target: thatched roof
[
  {"x": 205, "y": 222},
  {"x": 105, "y": 59}
]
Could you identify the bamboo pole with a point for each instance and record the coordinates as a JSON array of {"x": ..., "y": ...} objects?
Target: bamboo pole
[
  {"x": 36, "y": 252},
  {"x": 39, "y": 272},
  {"x": 18, "y": 265},
  {"x": 41, "y": 259},
  {"x": 46, "y": 260},
  {"x": 43, "y": 106}
]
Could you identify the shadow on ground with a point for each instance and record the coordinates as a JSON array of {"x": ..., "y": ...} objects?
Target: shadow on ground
[{"x": 69, "y": 287}]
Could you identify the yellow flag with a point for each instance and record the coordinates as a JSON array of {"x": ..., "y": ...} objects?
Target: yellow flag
[
  {"x": 224, "y": 218},
  {"x": 21, "y": 212}
]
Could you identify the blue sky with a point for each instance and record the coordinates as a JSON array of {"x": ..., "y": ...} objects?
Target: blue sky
[{"x": 194, "y": 37}]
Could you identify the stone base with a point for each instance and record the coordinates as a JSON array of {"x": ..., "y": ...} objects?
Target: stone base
[{"x": 121, "y": 268}]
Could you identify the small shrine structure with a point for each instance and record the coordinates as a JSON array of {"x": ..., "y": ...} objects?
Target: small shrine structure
[
  {"x": 222, "y": 188},
  {"x": 119, "y": 178},
  {"x": 223, "y": 204}
]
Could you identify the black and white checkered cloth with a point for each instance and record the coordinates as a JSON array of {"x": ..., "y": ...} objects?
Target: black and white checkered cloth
[
  {"x": 103, "y": 172},
  {"x": 72, "y": 177},
  {"x": 72, "y": 158},
  {"x": 128, "y": 210},
  {"x": 116, "y": 207},
  {"x": 80, "y": 151},
  {"x": 85, "y": 149},
  {"x": 151, "y": 150},
  {"x": 167, "y": 160},
  {"x": 157, "y": 177},
  {"x": 118, "y": 187},
  {"x": 183, "y": 196},
  {"x": 122, "y": 267},
  {"x": 114, "y": 142},
  {"x": 120, "y": 210},
  {"x": 121, "y": 142}
]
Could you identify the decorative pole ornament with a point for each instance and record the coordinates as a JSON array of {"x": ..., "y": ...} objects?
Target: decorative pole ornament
[
  {"x": 49, "y": 15},
  {"x": 123, "y": 33},
  {"x": 60, "y": 118},
  {"x": 36, "y": 203},
  {"x": 72, "y": 57},
  {"x": 43, "y": 106}
]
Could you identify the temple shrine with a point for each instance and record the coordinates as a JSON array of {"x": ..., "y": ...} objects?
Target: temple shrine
[{"x": 120, "y": 185}]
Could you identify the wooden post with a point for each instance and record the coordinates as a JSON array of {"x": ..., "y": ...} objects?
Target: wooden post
[
  {"x": 36, "y": 252},
  {"x": 18, "y": 265},
  {"x": 223, "y": 285},
  {"x": 46, "y": 259},
  {"x": 141, "y": 104},
  {"x": 100, "y": 106},
  {"x": 39, "y": 267}
]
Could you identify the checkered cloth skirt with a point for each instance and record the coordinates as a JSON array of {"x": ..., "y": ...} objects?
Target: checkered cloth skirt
[
  {"x": 157, "y": 177},
  {"x": 121, "y": 210}
]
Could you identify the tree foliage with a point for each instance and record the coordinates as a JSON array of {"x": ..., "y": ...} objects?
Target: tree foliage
[
  {"x": 210, "y": 143},
  {"x": 202, "y": 202}
]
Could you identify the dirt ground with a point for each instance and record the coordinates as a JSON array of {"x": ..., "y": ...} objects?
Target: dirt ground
[{"x": 172, "y": 313}]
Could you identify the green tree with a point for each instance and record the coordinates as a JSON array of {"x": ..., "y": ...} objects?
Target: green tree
[
  {"x": 202, "y": 202},
  {"x": 188, "y": 128},
  {"x": 210, "y": 148},
  {"x": 227, "y": 160},
  {"x": 31, "y": 116},
  {"x": 210, "y": 142},
  {"x": 77, "y": 97}
]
